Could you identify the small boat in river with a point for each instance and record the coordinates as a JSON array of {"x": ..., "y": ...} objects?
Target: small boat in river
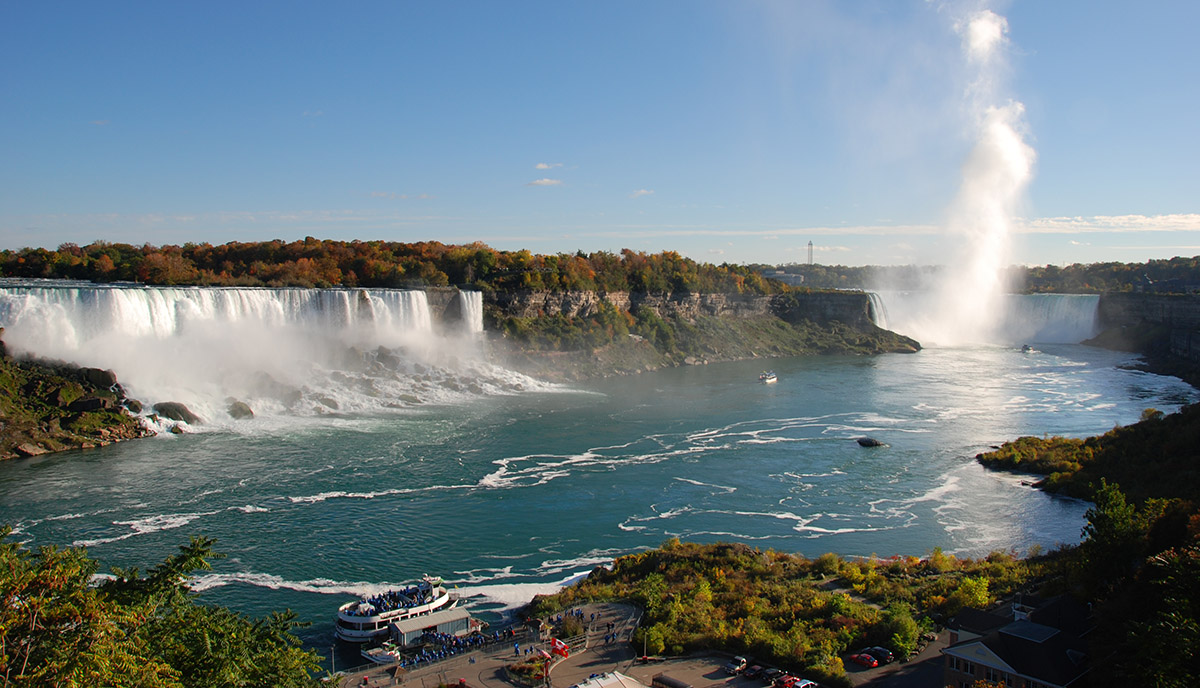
[{"x": 767, "y": 377}]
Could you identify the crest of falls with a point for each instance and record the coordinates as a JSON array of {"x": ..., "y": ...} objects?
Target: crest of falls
[
  {"x": 284, "y": 352},
  {"x": 1015, "y": 319}
]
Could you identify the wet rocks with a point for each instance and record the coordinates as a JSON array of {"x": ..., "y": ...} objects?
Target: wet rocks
[
  {"x": 239, "y": 410},
  {"x": 177, "y": 412}
]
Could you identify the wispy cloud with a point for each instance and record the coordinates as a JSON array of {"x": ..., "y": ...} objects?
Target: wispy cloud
[
  {"x": 1181, "y": 222},
  {"x": 100, "y": 122},
  {"x": 313, "y": 113},
  {"x": 545, "y": 182},
  {"x": 547, "y": 165},
  {"x": 641, "y": 192}
]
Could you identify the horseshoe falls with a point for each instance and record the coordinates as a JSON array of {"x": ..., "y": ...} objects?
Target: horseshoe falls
[{"x": 1015, "y": 319}]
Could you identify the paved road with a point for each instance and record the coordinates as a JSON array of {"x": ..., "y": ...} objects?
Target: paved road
[{"x": 485, "y": 668}]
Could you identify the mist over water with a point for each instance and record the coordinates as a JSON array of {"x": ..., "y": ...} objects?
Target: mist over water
[
  {"x": 285, "y": 352},
  {"x": 967, "y": 303}
]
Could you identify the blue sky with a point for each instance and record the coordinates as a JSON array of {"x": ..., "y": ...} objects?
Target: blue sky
[{"x": 727, "y": 131}]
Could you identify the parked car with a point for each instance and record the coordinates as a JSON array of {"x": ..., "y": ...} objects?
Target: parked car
[
  {"x": 752, "y": 671},
  {"x": 882, "y": 654},
  {"x": 805, "y": 683},
  {"x": 735, "y": 665},
  {"x": 770, "y": 674},
  {"x": 864, "y": 659},
  {"x": 785, "y": 681}
]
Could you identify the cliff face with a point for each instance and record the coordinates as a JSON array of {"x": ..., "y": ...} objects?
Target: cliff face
[
  {"x": 690, "y": 329},
  {"x": 1163, "y": 327},
  {"x": 848, "y": 308}
]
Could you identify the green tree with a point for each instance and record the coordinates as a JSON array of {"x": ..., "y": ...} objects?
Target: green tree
[{"x": 58, "y": 629}]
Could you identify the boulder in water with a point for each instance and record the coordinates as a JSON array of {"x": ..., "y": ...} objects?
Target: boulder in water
[
  {"x": 869, "y": 442},
  {"x": 239, "y": 410},
  {"x": 176, "y": 411},
  {"x": 133, "y": 405}
]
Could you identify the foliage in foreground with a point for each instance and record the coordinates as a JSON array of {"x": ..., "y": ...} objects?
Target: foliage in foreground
[
  {"x": 59, "y": 628},
  {"x": 800, "y": 613}
]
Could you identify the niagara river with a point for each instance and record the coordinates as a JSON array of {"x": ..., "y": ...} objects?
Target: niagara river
[{"x": 508, "y": 487}]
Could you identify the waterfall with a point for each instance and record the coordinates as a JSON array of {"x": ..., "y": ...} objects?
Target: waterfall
[
  {"x": 58, "y": 319},
  {"x": 288, "y": 352},
  {"x": 1017, "y": 319},
  {"x": 471, "y": 305},
  {"x": 878, "y": 312}
]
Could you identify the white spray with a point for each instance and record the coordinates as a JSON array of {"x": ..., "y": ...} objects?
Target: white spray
[{"x": 967, "y": 303}]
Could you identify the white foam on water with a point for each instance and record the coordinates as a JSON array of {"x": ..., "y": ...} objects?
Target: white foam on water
[{"x": 287, "y": 353}]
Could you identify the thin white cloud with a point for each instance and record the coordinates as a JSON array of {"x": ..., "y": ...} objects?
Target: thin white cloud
[
  {"x": 642, "y": 192},
  {"x": 100, "y": 122},
  {"x": 1180, "y": 222},
  {"x": 547, "y": 165},
  {"x": 545, "y": 182},
  {"x": 313, "y": 113}
]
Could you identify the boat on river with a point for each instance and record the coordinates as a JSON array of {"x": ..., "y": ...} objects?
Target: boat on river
[
  {"x": 768, "y": 377},
  {"x": 369, "y": 618}
]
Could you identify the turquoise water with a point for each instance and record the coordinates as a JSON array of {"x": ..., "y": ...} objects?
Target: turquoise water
[{"x": 508, "y": 495}]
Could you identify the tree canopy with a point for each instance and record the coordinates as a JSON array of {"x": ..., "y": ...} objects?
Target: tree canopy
[
  {"x": 59, "y": 627},
  {"x": 327, "y": 263}
]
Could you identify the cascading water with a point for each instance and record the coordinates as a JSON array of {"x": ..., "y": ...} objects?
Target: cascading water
[
  {"x": 471, "y": 305},
  {"x": 1020, "y": 318},
  {"x": 285, "y": 352}
]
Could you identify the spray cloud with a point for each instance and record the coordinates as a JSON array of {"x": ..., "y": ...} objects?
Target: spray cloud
[{"x": 967, "y": 303}]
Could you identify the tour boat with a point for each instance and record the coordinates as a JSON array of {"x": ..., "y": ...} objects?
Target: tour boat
[
  {"x": 367, "y": 619},
  {"x": 767, "y": 377}
]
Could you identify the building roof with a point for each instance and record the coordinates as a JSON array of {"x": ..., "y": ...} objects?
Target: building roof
[
  {"x": 1030, "y": 649},
  {"x": 417, "y": 623},
  {"x": 977, "y": 621},
  {"x": 612, "y": 679}
]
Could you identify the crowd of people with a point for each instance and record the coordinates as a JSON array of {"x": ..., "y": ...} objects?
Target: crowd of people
[
  {"x": 435, "y": 647},
  {"x": 392, "y": 599}
]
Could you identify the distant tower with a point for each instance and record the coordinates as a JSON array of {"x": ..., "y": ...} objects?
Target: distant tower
[{"x": 810, "y": 253}]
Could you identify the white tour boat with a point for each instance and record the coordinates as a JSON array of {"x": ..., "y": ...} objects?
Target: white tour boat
[{"x": 368, "y": 619}]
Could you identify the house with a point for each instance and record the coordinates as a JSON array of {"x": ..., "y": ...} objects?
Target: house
[{"x": 1045, "y": 648}]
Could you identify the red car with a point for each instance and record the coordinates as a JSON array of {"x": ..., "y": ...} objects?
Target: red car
[{"x": 865, "y": 660}]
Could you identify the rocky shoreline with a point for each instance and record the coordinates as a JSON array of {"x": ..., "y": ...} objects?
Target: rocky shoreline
[{"x": 48, "y": 406}]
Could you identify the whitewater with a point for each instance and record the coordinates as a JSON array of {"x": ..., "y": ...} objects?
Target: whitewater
[{"x": 509, "y": 487}]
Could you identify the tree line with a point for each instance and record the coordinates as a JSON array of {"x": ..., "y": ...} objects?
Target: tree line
[
  {"x": 1174, "y": 275},
  {"x": 327, "y": 263}
]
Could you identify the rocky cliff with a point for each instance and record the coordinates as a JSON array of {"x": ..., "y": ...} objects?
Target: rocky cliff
[
  {"x": 579, "y": 336},
  {"x": 1165, "y": 328},
  {"x": 849, "y": 308}
]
